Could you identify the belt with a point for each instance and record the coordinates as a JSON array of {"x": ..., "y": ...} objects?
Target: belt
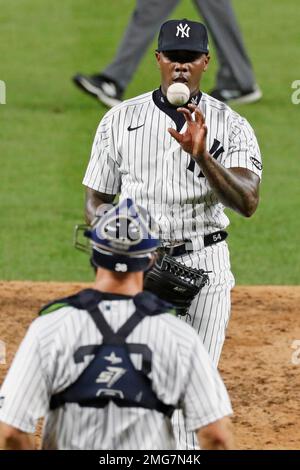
[{"x": 183, "y": 248}]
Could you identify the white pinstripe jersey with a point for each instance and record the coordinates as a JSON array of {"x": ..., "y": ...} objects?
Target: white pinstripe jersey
[
  {"x": 44, "y": 365},
  {"x": 134, "y": 154}
]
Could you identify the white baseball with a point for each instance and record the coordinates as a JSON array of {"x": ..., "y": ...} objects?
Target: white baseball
[{"x": 178, "y": 94}]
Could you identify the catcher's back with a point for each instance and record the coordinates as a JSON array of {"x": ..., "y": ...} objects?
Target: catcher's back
[{"x": 168, "y": 349}]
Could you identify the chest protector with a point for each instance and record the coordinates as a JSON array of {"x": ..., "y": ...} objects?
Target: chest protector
[{"x": 111, "y": 375}]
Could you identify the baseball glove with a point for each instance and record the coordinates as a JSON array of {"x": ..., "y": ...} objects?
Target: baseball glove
[{"x": 174, "y": 282}]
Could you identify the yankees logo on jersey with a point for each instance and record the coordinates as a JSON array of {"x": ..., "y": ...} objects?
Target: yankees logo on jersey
[
  {"x": 49, "y": 361},
  {"x": 216, "y": 150}
]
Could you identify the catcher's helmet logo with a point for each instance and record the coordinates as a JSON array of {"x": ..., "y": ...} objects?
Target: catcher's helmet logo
[
  {"x": 184, "y": 30},
  {"x": 121, "y": 231}
]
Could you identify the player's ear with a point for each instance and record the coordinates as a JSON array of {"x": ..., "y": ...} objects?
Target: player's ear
[
  {"x": 158, "y": 58},
  {"x": 206, "y": 61}
]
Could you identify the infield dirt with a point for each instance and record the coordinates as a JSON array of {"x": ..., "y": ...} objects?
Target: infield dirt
[{"x": 258, "y": 364}]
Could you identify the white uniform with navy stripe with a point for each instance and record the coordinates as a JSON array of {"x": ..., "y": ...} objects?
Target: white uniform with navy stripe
[
  {"x": 135, "y": 155},
  {"x": 44, "y": 365}
]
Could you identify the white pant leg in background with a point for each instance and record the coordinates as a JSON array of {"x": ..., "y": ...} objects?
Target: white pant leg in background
[{"x": 209, "y": 315}]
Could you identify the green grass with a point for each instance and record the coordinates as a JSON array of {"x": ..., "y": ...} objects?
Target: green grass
[{"x": 47, "y": 128}]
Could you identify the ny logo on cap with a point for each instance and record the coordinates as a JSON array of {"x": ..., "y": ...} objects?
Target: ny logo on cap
[{"x": 184, "y": 30}]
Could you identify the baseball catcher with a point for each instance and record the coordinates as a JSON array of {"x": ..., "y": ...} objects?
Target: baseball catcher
[
  {"x": 109, "y": 359},
  {"x": 169, "y": 279}
]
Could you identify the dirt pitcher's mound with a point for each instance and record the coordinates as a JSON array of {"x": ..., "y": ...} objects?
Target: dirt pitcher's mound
[{"x": 260, "y": 363}]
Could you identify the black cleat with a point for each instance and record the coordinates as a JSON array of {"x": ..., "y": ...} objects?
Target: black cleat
[
  {"x": 104, "y": 89},
  {"x": 237, "y": 96}
]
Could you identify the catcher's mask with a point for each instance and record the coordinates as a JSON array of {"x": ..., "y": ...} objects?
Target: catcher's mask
[{"x": 121, "y": 240}]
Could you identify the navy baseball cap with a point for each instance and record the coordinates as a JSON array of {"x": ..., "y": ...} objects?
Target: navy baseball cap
[
  {"x": 176, "y": 35},
  {"x": 123, "y": 238}
]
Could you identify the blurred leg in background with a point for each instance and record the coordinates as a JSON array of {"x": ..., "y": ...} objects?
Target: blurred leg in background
[
  {"x": 144, "y": 24},
  {"x": 235, "y": 80}
]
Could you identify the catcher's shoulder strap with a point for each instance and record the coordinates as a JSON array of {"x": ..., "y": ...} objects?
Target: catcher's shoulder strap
[
  {"x": 147, "y": 301},
  {"x": 152, "y": 304},
  {"x": 111, "y": 375},
  {"x": 79, "y": 300}
]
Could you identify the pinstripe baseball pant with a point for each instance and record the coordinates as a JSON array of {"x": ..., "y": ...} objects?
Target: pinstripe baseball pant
[{"x": 209, "y": 315}]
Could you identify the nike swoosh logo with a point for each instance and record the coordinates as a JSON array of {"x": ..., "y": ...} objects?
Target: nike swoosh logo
[{"x": 134, "y": 128}]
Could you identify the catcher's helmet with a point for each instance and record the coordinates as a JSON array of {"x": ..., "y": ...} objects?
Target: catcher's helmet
[{"x": 122, "y": 239}]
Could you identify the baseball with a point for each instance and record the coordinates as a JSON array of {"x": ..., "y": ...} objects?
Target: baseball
[{"x": 178, "y": 94}]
